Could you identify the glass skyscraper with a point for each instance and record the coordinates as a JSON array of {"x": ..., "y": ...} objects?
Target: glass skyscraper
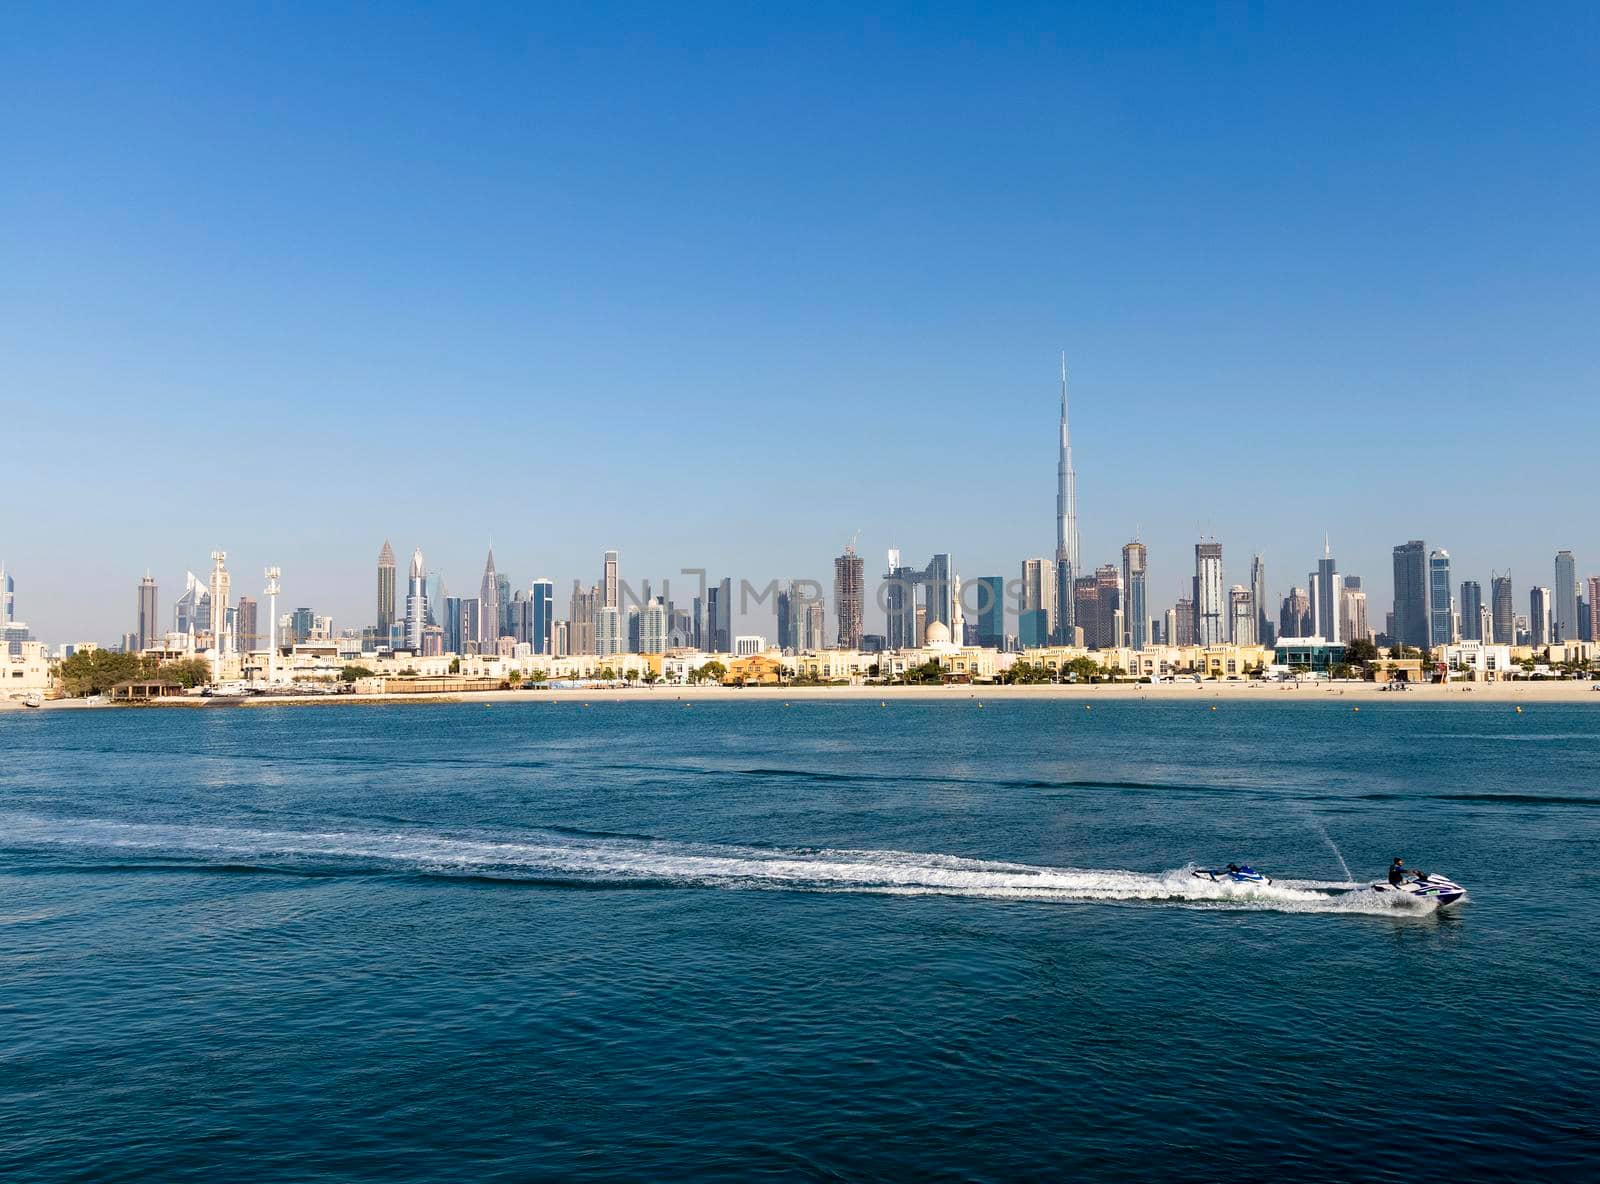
[{"x": 1441, "y": 626}]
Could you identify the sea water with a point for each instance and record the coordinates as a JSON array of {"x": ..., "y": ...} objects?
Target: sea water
[{"x": 628, "y": 940}]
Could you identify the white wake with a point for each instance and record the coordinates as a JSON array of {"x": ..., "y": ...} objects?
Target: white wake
[{"x": 557, "y": 855}]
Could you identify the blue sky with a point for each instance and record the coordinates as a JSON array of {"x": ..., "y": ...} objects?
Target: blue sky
[{"x": 721, "y": 286}]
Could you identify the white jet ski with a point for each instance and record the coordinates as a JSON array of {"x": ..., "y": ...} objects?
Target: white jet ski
[{"x": 1426, "y": 887}]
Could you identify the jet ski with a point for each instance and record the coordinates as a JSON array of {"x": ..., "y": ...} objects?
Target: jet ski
[
  {"x": 1426, "y": 887},
  {"x": 1232, "y": 874}
]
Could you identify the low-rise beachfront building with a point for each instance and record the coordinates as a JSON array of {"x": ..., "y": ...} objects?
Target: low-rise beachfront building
[
  {"x": 1479, "y": 661},
  {"x": 1317, "y": 655},
  {"x": 835, "y": 665},
  {"x": 26, "y": 671}
]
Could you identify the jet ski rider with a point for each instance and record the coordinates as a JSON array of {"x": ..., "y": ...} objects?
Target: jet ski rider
[{"x": 1398, "y": 872}]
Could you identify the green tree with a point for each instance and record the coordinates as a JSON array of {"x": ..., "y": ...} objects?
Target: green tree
[
  {"x": 1360, "y": 651},
  {"x": 455, "y": 665},
  {"x": 711, "y": 672},
  {"x": 1085, "y": 669},
  {"x": 186, "y": 672},
  {"x": 93, "y": 672},
  {"x": 352, "y": 672}
]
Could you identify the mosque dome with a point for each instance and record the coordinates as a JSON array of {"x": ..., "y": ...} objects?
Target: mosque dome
[{"x": 937, "y": 633}]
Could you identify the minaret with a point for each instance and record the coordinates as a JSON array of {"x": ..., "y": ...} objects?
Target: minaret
[
  {"x": 958, "y": 624},
  {"x": 1066, "y": 519},
  {"x": 271, "y": 591},
  {"x": 220, "y": 584}
]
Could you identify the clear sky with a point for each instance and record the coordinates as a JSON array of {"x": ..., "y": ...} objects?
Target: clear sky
[{"x": 721, "y": 286}]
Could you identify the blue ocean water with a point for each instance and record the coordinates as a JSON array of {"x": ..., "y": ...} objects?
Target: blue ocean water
[{"x": 829, "y": 940}]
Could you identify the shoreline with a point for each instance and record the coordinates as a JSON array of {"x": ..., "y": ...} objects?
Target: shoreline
[{"x": 1354, "y": 693}]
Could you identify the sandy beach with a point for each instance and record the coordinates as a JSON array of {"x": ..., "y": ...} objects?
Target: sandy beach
[{"x": 1355, "y": 693}]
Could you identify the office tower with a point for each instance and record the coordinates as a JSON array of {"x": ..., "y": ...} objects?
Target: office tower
[
  {"x": 609, "y": 592},
  {"x": 543, "y": 597},
  {"x": 1036, "y": 613},
  {"x": 434, "y": 589},
  {"x": 900, "y": 603},
  {"x": 467, "y": 630},
  {"x": 812, "y": 625},
  {"x": 502, "y": 596},
  {"x": 220, "y": 586},
  {"x": 784, "y": 611},
  {"x": 1265, "y": 633},
  {"x": 1066, "y": 525},
  {"x": 1242, "y": 615},
  {"x": 608, "y": 636},
  {"x": 1294, "y": 617},
  {"x": 519, "y": 619},
  {"x": 1324, "y": 584},
  {"x": 1085, "y": 611},
  {"x": 559, "y": 647},
  {"x": 1210, "y": 603},
  {"x": 148, "y": 630},
  {"x": 1411, "y": 600},
  {"x": 1540, "y": 617},
  {"x": 653, "y": 628},
  {"x": 719, "y": 617},
  {"x": 8, "y": 597},
  {"x": 454, "y": 643},
  {"x": 1594, "y": 608},
  {"x": 1565, "y": 594},
  {"x": 1352, "y": 613},
  {"x": 1441, "y": 613},
  {"x": 1182, "y": 628},
  {"x": 697, "y": 624},
  {"x": 580, "y": 618},
  {"x": 849, "y": 591},
  {"x": 1168, "y": 628},
  {"x": 489, "y": 606},
  {"x": 1584, "y": 632},
  {"x": 1502, "y": 609},
  {"x": 1471, "y": 604},
  {"x": 191, "y": 611},
  {"x": 417, "y": 614},
  {"x": 386, "y": 571},
  {"x": 939, "y": 590},
  {"x": 988, "y": 600},
  {"x": 301, "y": 622},
  {"x": 1109, "y": 609},
  {"x": 1136, "y": 613},
  {"x": 633, "y": 629},
  {"x": 246, "y": 616},
  {"x": 432, "y": 641}
]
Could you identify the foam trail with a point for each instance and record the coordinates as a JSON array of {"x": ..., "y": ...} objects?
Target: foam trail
[{"x": 588, "y": 859}]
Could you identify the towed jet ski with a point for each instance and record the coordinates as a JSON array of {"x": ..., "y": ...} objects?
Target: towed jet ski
[
  {"x": 1232, "y": 874},
  {"x": 1426, "y": 886}
]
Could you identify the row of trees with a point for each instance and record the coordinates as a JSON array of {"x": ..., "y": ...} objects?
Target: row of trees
[{"x": 94, "y": 672}]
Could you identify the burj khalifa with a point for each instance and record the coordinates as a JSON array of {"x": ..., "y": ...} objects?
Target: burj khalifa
[{"x": 1066, "y": 524}]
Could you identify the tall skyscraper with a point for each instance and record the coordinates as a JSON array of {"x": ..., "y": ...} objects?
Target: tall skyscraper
[
  {"x": 543, "y": 595},
  {"x": 1294, "y": 617},
  {"x": 1242, "y": 615},
  {"x": 489, "y": 606},
  {"x": 608, "y": 635},
  {"x": 580, "y": 618},
  {"x": 719, "y": 617},
  {"x": 1471, "y": 606},
  {"x": 1565, "y": 593},
  {"x": 783, "y": 609},
  {"x": 386, "y": 571},
  {"x": 1502, "y": 608},
  {"x": 417, "y": 605},
  {"x": 247, "y": 616},
  {"x": 1265, "y": 633},
  {"x": 1182, "y": 631},
  {"x": 1593, "y": 598},
  {"x": 1086, "y": 610},
  {"x": 1210, "y": 599},
  {"x": 1441, "y": 613},
  {"x": 1540, "y": 616},
  {"x": 987, "y": 598},
  {"x": 454, "y": 643},
  {"x": 1136, "y": 612},
  {"x": 8, "y": 597},
  {"x": 653, "y": 628},
  {"x": 849, "y": 592},
  {"x": 1037, "y": 612},
  {"x": 1066, "y": 523},
  {"x": 1352, "y": 612},
  {"x": 610, "y": 593},
  {"x": 148, "y": 631},
  {"x": 1325, "y": 596},
  {"x": 1411, "y": 619},
  {"x": 191, "y": 613}
]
